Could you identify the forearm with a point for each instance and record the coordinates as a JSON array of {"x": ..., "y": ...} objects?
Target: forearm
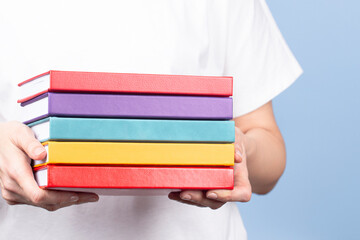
[
  {"x": 259, "y": 161},
  {"x": 266, "y": 158},
  {"x": 265, "y": 148}
]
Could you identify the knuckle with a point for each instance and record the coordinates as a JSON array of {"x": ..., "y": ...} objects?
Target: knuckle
[
  {"x": 19, "y": 132},
  {"x": 11, "y": 125},
  {"x": 9, "y": 185},
  {"x": 11, "y": 128},
  {"x": 15, "y": 172},
  {"x": 51, "y": 208},
  {"x": 12, "y": 172},
  {"x": 227, "y": 197},
  {"x": 197, "y": 197},
  {"x": 6, "y": 195},
  {"x": 37, "y": 197},
  {"x": 19, "y": 128},
  {"x": 247, "y": 196},
  {"x": 216, "y": 206}
]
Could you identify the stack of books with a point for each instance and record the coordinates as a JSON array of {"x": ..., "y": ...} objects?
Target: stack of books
[{"x": 104, "y": 132}]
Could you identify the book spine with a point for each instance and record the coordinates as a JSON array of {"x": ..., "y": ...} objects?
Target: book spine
[
  {"x": 140, "y": 106},
  {"x": 140, "y": 177},
  {"x": 126, "y": 153},
  {"x": 141, "y": 83},
  {"x": 37, "y": 118},
  {"x": 141, "y": 130}
]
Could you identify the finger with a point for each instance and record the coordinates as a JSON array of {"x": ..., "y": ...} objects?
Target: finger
[
  {"x": 176, "y": 196},
  {"x": 13, "y": 203},
  {"x": 55, "y": 197},
  {"x": 68, "y": 197},
  {"x": 8, "y": 184},
  {"x": 37, "y": 196},
  {"x": 10, "y": 190},
  {"x": 24, "y": 138},
  {"x": 54, "y": 207},
  {"x": 83, "y": 198},
  {"x": 238, "y": 194},
  {"x": 239, "y": 146},
  {"x": 86, "y": 197},
  {"x": 238, "y": 154},
  {"x": 34, "y": 195},
  {"x": 198, "y": 197},
  {"x": 12, "y": 197},
  {"x": 242, "y": 187}
]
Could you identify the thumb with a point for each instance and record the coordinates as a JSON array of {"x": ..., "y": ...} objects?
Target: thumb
[{"x": 25, "y": 139}]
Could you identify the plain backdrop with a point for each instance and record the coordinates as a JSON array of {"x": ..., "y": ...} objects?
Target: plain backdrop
[{"x": 318, "y": 195}]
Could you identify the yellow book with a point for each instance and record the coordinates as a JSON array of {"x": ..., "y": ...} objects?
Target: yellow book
[{"x": 144, "y": 153}]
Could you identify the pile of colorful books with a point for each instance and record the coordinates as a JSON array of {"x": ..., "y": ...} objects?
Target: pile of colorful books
[{"x": 109, "y": 131}]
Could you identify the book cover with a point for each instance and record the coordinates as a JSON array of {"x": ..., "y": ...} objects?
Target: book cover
[
  {"x": 126, "y": 106},
  {"x": 109, "y": 129},
  {"x": 73, "y": 81},
  {"x": 54, "y": 176},
  {"x": 144, "y": 153}
]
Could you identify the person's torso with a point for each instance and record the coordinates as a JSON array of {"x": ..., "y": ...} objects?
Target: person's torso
[{"x": 165, "y": 37}]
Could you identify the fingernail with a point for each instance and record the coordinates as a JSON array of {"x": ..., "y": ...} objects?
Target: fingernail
[
  {"x": 212, "y": 196},
  {"x": 74, "y": 198},
  {"x": 39, "y": 150},
  {"x": 186, "y": 197}
]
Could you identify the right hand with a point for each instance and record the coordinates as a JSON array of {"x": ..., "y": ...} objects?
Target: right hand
[{"x": 18, "y": 186}]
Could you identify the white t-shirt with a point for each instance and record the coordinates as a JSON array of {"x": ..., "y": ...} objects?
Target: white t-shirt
[{"x": 236, "y": 38}]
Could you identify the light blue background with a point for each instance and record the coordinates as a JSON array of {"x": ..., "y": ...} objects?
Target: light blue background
[{"x": 318, "y": 196}]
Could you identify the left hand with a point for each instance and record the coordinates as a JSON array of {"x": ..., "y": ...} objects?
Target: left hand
[{"x": 214, "y": 199}]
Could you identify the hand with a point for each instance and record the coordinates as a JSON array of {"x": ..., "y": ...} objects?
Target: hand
[
  {"x": 18, "y": 186},
  {"x": 214, "y": 199}
]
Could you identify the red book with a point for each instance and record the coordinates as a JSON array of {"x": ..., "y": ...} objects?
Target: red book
[
  {"x": 62, "y": 176},
  {"x": 70, "y": 81}
]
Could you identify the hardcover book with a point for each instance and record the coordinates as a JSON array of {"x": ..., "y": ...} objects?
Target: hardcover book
[
  {"x": 126, "y": 106},
  {"x": 126, "y": 153},
  {"x": 72, "y": 81},
  {"x": 108, "y": 129},
  {"x": 88, "y": 177}
]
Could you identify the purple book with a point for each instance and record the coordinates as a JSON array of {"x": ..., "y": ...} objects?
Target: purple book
[{"x": 126, "y": 106}]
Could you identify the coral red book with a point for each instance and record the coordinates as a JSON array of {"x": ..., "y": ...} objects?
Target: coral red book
[
  {"x": 103, "y": 82},
  {"x": 56, "y": 176}
]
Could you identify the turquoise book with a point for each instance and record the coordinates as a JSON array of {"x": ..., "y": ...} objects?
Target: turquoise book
[{"x": 138, "y": 130}]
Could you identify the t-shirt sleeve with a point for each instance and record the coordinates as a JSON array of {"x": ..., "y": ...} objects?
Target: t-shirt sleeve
[{"x": 257, "y": 57}]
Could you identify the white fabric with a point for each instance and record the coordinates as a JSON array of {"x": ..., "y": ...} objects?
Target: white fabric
[{"x": 237, "y": 38}]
